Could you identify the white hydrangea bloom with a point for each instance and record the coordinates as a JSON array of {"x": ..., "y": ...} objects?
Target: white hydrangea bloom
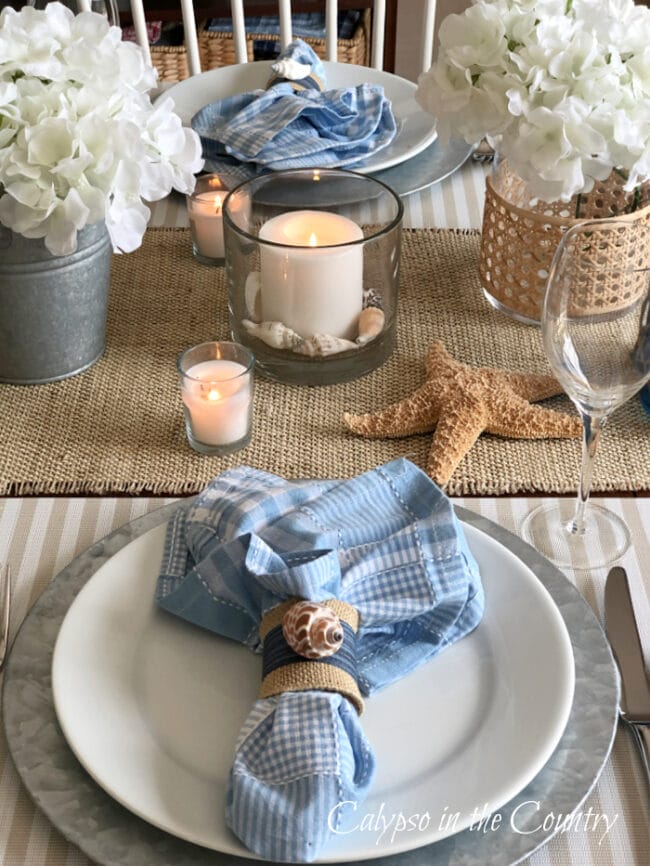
[
  {"x": 560, "y": 87},
  {"x": 80, "y": 140}
]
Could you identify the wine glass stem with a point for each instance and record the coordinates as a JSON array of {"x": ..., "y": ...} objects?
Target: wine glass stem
[{"x": 593, "y": 426}]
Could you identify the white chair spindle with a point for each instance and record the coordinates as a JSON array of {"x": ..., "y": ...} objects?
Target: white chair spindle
[
  {"x": 189, "y": 26},
  {"x": 239, "y": 30},
  {"x": 191, "y": 38},
  {"x": 84, "y": 5},
  {"x": 286, "y": 28},
  {"x": 429, "y": 24},
  {"x": 331, "y": 28},
  {"x": 378, "y": 28},
  {"x": 140, "y": 24}
]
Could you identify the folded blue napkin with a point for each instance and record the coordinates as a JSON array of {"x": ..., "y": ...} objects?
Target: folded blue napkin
[
  {"x": 284, "y": 127},
  {"x": 386, "y": 542}
]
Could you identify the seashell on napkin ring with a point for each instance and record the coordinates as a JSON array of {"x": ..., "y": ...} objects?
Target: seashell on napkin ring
[
  {"x": 299, "y": 67},
  {"x": 299, "y": 75},
  {"x": 310, "y": 646},
  {"x": 312, "y": 630}
]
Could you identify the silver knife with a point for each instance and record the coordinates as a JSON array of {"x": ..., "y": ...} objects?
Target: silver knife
[
  {"x": 5, "y": 602},
  {"x": 623, "y": 635}
]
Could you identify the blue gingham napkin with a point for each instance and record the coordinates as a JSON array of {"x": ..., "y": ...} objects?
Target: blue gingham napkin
[
  {"x": 386, "y": 542},
  {"x": 281, "y": 128}
]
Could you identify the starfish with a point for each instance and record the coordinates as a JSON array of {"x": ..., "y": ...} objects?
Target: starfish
[{"x": 461, "y": 402}]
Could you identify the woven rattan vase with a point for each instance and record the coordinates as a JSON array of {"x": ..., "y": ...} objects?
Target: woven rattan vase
[{"x": 519, "y": 240}]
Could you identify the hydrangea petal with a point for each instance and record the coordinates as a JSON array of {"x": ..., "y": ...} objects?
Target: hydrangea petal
[
  {"x": 80, "y": 140},
  {"x": 562, "y": 88}
]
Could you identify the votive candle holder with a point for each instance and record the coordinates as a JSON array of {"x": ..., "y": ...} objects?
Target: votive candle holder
[
  {"x": 205, "y": 212},
  {"x": 216, "y": 380},
  {"x": 312, "y": 261}
]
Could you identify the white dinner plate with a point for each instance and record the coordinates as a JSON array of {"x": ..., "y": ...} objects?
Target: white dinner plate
[
  {"x": 415, "y": 127},
  {"x": 152, "y": 706}
]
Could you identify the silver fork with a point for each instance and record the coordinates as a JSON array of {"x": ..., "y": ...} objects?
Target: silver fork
[
  {"x": 5, "y": 594},
  {"x": 483, "y": 152}
]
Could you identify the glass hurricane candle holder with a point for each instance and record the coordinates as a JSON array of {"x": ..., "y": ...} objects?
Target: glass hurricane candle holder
[
  {"x": 204, "y": 209},
  {"x": 217, "y": 390},
  {"x": 312, "y": 259}
]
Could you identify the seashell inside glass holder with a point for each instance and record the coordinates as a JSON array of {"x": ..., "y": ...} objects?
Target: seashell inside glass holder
[
  {"x": 519, "y": 240},
  {"x": 370, "y": 324},
  {"x": 280, "y": 336}
]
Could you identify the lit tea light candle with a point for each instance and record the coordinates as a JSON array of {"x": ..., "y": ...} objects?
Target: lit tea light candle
[
  {"x": 206, "y": 224},
  {"x": 217, "y": 396},
  {"x": 217, "y": 391},
  {"x": 206, "y": 220},
  {"x": 313, "y": 281}
]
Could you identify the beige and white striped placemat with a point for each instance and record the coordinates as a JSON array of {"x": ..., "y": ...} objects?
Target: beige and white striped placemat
[
  {"x": 455, "y": 202},
  {"x": 38, "y": 537}
]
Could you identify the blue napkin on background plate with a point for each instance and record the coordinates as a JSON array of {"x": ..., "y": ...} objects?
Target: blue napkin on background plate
[
  {"x": 386, "y": 542},
  {"x": 281, "y": 128}
]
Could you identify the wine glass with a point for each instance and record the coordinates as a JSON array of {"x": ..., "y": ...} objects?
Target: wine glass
[{"x": 596, "y": 333}]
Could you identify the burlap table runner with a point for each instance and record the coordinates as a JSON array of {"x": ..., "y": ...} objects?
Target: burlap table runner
[{"x": 118, "y": 427}]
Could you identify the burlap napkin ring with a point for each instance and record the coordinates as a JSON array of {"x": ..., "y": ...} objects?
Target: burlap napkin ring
[{"x": 310, "y": 646}]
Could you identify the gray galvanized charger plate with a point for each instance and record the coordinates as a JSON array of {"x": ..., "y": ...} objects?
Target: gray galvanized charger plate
[
  {"x": 433, "y": 164},
  {"x": 113, "y": 836}
]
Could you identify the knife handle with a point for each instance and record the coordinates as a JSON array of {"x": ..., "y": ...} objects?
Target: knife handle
[
  {"x": 641, "y": 735},
  {"x": 5, "y": 607}
]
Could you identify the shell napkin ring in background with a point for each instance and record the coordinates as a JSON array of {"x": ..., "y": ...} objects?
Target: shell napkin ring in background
[{"x": 310, "y": 645}]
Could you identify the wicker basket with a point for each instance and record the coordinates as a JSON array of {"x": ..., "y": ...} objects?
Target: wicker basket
[
  {"x": 518, "y": 242},
  {"x": 170, "y": 61},
  {"x": 218, "y": 49}
]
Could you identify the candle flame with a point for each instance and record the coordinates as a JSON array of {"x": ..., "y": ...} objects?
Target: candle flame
[
  {"x": 316, "y": 174},
  {"x": 313, "y": 240},
  {"x": 213, "y": 395},
  {"x": 217, "y": 204}
]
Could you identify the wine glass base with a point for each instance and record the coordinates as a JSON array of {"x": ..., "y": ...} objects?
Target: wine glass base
[{"x": 548, "y": 528}]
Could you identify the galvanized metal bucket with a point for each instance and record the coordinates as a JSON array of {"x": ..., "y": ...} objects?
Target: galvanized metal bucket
[{"x": 52, "y": 308}]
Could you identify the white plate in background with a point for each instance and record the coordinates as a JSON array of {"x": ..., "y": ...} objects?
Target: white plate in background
[{"x": 415, "y": 127}]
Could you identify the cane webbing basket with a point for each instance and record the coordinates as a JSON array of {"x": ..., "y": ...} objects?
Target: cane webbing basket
[
  {"x": 217, "y": 48},
  {"x": 519, "y": 240}
]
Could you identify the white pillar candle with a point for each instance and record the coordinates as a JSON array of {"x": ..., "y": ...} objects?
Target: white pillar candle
[
  {"x": 217, "y": 395},
  {"x": 314, "y": 282},
  {"x": 206, "y": 223}
]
